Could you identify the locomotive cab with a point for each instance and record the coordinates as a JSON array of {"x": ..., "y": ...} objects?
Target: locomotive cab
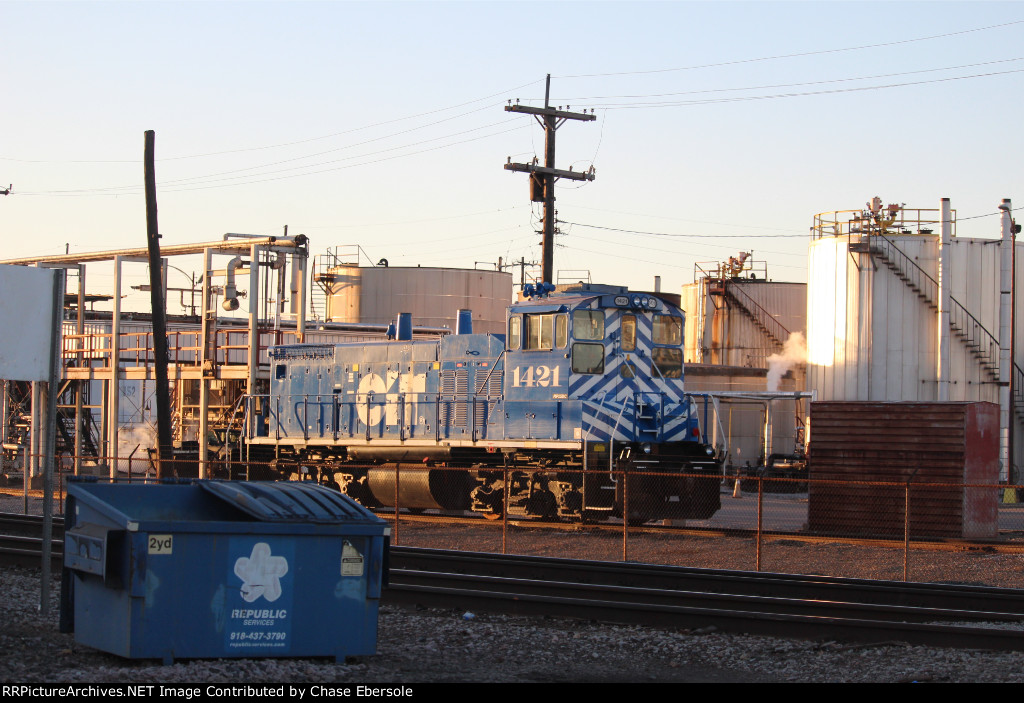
[{"x": 602, "y": 367}]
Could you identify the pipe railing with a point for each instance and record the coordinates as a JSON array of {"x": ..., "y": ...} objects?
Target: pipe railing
[
  {"x": 966, "y": 325},
  {"x": 775, "y": 328}
]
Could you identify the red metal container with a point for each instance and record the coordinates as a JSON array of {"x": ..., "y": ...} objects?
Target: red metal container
[{"x": 864, "y": 457}]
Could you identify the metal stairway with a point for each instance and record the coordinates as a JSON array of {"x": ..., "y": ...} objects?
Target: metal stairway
[
  {"x": 771, "y": 328},
  {"x": 981, "y": 343}
]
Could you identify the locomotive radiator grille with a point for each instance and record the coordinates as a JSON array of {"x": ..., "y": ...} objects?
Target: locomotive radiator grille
[{"x": 454, "y": 392}]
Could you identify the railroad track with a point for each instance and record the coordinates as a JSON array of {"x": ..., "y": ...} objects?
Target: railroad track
[
  {"x": 852, "y": 610},
  {"x": 786, "y": 605}
]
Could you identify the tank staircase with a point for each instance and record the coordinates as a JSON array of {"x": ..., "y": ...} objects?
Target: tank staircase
[
  {"x": 773, "y": 330},
  {"x": 980, "y": 343}
]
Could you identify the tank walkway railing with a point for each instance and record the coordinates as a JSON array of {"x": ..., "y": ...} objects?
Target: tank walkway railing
[
  {"x": 843, "y": 223},
  {"x": 774, "y": 330},
  {"x": 1018, "y": 390},
  {"x": 978, "y": 340},
  {"x": 320, "y": 277}
]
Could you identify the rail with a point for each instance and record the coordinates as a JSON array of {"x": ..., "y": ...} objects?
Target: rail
[
  {"x": 667, "y": 596},
  {"x": 843, "y": 223},
  {"x": 377, "y": 415}
]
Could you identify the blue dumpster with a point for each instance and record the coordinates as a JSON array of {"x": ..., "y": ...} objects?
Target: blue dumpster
[{"x": 204, "y": 569}]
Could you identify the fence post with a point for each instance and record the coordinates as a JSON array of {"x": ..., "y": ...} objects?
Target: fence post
[
  {"x": 398, "y": 470},
  {"x": 27, "y": 477},
  {"x": 906, "y": 530},
  {"x": 906, "y": 525},
  {"x": 504, "y": 508},
  {"x": 760, "y": 503},
  {"x": 625, "y": 515}
]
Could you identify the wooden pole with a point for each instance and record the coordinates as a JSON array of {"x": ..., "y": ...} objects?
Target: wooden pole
[{"x": 159, "y": 305}]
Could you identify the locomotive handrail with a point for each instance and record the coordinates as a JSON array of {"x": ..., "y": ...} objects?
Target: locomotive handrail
[
  {"x": 611, "y": 442},
  {"x": 487, "y": 378}
]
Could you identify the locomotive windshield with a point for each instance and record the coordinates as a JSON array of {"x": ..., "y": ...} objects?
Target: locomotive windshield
[
  {"x": 588, "y": 324},
  {"x": 668, "y": 330},
  {"x": 587, "y": 357},
  {"x": 667, "y": 360}
]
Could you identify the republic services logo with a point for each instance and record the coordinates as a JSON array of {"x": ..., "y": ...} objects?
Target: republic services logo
[{"x": 261, "y": 573}]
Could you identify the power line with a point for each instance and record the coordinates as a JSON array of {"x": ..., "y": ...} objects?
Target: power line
[
  {"x": 794, "y": 85},
  {"x": 711, "y": 101},
  {"x": 304, "y": 141},
  {"x": 188, "y": 184},
  {"x": 687, "y": 236},
  {"x": 798, "y": 55}
]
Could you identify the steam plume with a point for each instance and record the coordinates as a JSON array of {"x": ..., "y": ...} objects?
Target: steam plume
[{"x": 794, "y": 352}]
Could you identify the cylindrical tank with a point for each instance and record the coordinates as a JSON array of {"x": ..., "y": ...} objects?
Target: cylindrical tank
[
  {"x": 873, "y": 328},
  {"x": 730, "y": 329},
  {"x": 433, "y": 295}
]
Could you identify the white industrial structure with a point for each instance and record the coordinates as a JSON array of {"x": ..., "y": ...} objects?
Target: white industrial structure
[
  {"x": 900, "y": 308},
  {"x": 433, "y": 296},
  {"x": 743, "y": 344},
  {"x": 253, "y": 292}
]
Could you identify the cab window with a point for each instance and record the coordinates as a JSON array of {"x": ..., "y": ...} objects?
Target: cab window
[
  {"x": 561, "y": 330},
  {"x": 628, "y": 332},
  {"x": 588, "y": 324},
  {"x": 514, "y": 331},
  {"x": 540, "y": 332},
  {"x": 587, "y": 358},
  {"x": 666, "y": 362},
  {"x": 668, "y": 330}
]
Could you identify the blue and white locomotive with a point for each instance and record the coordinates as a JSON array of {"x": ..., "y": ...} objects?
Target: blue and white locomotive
[{"x": 578, "y": 410}]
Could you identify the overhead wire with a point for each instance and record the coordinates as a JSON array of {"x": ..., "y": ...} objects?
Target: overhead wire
[
  {"x": 304, "y": 141},
  {"x": 795, "y": 85},
  {"x": 687, "y": 236},
  {"x": 745, "y": 98},
  {"x": 801, "y": 54}
]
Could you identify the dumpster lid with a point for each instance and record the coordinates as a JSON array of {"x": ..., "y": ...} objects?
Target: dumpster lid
[{"x": 290, "y": 501}]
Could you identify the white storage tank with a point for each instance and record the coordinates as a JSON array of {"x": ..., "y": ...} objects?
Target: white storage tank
[
  {"x": 737, "y": 317},
  {"x": 872, "y": 312},
  {"x": 874, "y": 330},
  {"x": 376, "y": 294}
]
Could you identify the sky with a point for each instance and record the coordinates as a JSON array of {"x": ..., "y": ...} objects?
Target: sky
[{"x": 720, "y": 127}]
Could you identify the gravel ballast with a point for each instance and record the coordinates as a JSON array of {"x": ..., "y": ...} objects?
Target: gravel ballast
[{"x": 444, "y": 646}]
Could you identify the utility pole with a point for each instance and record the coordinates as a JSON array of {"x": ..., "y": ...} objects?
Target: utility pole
[
  {"x": 542, "y": 178},
  {"x": 159, "y": 305}
]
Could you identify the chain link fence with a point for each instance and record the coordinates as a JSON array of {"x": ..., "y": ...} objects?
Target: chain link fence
[{"x": 916, "y": 530}]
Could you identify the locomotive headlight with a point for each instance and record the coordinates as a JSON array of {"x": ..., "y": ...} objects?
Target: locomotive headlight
[
  {"x": 646, "y": 447},
  {"x": 636, "y": 301},
  {"x": 709, "y": 450}
]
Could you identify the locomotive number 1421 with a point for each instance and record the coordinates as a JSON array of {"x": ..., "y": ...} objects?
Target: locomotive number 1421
[{"x": 530, "y": 376}]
